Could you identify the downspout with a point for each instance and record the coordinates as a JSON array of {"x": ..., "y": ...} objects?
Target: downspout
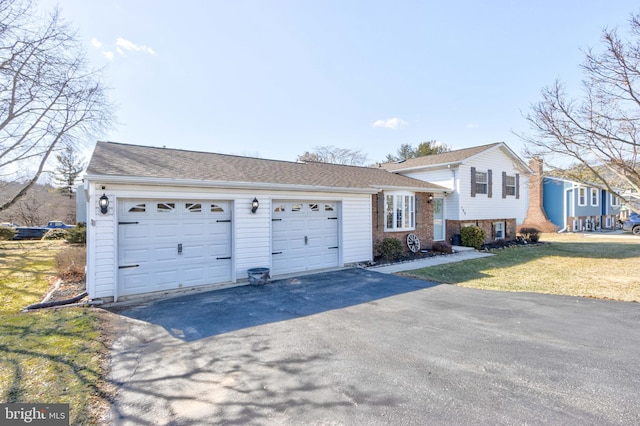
[{"x": 565, "y": 205}]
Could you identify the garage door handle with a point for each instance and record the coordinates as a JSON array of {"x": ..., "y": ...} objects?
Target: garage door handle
[
  {"x": 223, "y": 258},
  {"x": 277, "y": 252},
  {"x": 128, "y": 223},
  {"x": 333, "y": 247},
  {"x": 128, "y": 266},
  {"x": 332, "y": 218},
  {"x": 180, "y": 248},
  {"x": 276, "y": 220},
  {"x": 225, "y": 220}
]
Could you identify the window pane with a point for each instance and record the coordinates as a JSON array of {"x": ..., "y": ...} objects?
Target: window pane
[
  {"x": 398, "y": 208},
  {"x": 389, "y": 211}
]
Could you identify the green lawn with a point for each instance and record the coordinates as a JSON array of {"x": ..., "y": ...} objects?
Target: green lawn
[
  {"x": 570, "y": 264},
  {"x": 46, "y": 356}
]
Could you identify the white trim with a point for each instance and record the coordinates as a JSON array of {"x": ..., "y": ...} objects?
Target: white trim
[
  {"x": 597, "y": 191},
  {"x": 404, "y": 207},
  {"x": 585, "y": 203},
  {"x": 196, "y": 183}
]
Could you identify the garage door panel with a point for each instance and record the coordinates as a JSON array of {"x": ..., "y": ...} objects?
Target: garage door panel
[
  {"x": 303, "y": 232},
  {"x": 151, "y": 239}
]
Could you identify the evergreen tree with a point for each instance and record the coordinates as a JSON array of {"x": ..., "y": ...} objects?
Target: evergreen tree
[{"x": 68, "y": 171}]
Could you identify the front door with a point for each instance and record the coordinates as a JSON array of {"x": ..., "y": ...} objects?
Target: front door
[{"x": 438, "y": 219}]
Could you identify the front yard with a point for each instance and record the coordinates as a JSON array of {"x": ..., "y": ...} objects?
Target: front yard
[
  {"x": 603, "y": 266},
  {"x": 47, "y": 356},
  {"x": 58, "y": 355}
]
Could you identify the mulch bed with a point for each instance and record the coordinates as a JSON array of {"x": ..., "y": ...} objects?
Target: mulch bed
[{"x": 67, "y": 290}]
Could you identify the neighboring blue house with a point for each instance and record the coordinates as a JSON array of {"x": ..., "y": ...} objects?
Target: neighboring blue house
[{"x": 574, "y": 206}]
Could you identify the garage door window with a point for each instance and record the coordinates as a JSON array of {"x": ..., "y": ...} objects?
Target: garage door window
[
  {"x": 193, "y": 208},
  {"x": 216, "y": 208},
  {"x": 166, "y": 207},
  {"x": 138, "y": 208},
  {"x": 296, "y": 207},
  {"x": 329, "y": 208}
]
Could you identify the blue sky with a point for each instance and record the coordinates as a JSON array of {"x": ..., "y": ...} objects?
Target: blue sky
[{"x": 273, "y": 79}]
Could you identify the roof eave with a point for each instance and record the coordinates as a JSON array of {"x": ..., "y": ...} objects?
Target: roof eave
[
  {"x": 140, "y": 180},
  {"x": 428, "y": 166}
]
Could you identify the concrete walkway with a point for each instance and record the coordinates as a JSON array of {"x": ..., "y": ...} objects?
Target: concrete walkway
[{"x": 461, "y": 253}]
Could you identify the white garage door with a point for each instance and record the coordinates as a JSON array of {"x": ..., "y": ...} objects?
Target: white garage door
[
  {"x": 304, "y": 236},
  {"x": 172, "y": 244}
]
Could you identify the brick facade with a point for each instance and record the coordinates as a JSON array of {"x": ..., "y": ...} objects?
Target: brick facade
[
  {"x": 424, "y": 222},
  {"x": 454, "y": 226},
  {"x": 536, "y": 216}
]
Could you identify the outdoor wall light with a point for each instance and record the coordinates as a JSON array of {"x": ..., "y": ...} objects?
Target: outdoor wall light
[
  {"x": 430, "y": 198},
  {"x": 103, "y": 202},
  {"x": 254, "y": 205}
]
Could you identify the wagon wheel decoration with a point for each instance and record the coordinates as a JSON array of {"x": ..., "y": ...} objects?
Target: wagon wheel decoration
[{"x": 413, "y": 242}]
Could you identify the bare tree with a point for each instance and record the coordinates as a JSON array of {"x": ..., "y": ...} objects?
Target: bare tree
[
  {"x": 594, "y": 139},
  {"x": 49, "y": 98},
  {"x": 335, "y": 155}
]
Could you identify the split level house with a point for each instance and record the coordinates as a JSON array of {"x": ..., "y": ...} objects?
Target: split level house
[
  {"x": 487, "y": 186},
  {"x": 163, "y": 219}
]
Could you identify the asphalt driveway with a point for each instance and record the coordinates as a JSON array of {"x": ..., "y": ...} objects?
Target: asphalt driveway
[{"x": 360, "y": 347}]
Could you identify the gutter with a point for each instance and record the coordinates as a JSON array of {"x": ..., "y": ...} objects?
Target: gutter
[{"x": 250, "y": 185}]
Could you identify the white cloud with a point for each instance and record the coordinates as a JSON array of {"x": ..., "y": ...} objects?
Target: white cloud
[
  {"x": 108, "y": 54},
  {"x": 120, "y": 51},
  {"x": 390, "y": 123},
  {"x": 129, "y": 45},
  {"x": 96, "y": 43}
]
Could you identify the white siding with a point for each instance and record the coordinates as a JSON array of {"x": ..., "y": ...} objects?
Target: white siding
[
  {"x": 251, "y": 233},
  {"x": 483, "y": 207},
  {"x": 459, "y": 205},
  {"x": 357, "y": 239},
  {"x": 443, "y": 177}
]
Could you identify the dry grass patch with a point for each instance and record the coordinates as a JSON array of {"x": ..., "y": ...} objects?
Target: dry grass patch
[
  {"x": 47, "y": 356},
  {"x": 600, "y": 266}
]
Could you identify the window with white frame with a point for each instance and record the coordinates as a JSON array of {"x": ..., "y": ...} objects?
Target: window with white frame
[
  {"x": 594, "y": 197},
  {"x": 582, "y": 196},
  {"x": 481, "y": 183},
  {"x": 615, "y": 201},
  {"x": 400, "y": 212},
  {"x": 510, "y": 185}
]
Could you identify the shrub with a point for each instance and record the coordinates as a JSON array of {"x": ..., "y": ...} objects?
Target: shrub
[
  {"x": 78, "y": 234},
  {"x": 473, "y": 236},
  {"x": 390, "y": 248},
  {"x": 55, "y": 234},
  {"x": 70, "y": 263},
  {"x": 530, "y": 235},
  {"x": 442, "y": 247},
  {"x": 7, "y": 232}
]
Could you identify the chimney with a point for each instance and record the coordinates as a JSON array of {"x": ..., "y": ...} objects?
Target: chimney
[{"x": 536, "y": 216}]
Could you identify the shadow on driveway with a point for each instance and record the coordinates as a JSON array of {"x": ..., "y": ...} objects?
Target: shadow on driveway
[{"x": 222, "y": 311}]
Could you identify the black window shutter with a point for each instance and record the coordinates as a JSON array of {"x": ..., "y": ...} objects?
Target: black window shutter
[
  {"x": 504, "y": 184},
  {"x": 381, "y": 212},
  {"x": 489, "y": 183},
  {"x": 517, "y": 186},
  {"x": 473, "y": 181}
]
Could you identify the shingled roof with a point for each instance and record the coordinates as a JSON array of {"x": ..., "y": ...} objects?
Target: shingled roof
[
  {"x": 115, "y": 160},
  {"x": 450, "y": 157}
]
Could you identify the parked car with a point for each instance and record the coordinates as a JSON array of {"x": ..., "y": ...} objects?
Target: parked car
[
  {"x": 58, "y": 224},
  {"x": 632, "y": 224},
  {"x": 37, "y": 232}
]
